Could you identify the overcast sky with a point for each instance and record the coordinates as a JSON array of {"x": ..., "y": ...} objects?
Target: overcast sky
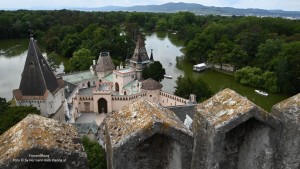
[{"x": 293, "y": 5}]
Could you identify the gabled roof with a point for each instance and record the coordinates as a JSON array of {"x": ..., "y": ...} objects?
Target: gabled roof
[
  {"x": 37, "y": 76},
  {"x": 104, "y": 63},
  {"x": 151, "y": 84},
  {"x": 143, "y": 117},
  {"x": 140, "y": 54},
  {"x": 84, "y": 128}
]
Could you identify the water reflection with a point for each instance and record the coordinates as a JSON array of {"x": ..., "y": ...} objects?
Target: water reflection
[
  {"x": 12, "y": 47},
  {"x": 165, "y": 52}
]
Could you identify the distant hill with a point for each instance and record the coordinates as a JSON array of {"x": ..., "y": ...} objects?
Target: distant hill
[
  {"x": 191, "y": 7},
  {"x": 202, "y": 10}
]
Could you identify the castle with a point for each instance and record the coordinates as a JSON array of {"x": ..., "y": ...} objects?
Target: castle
[
  {"x": 143, "y": 127},
  {"x": 102, "y": 89}
]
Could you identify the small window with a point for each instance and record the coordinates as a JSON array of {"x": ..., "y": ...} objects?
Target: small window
[
  {"x": 31, "y": 64},
  {"x": 150, "y": 95}
]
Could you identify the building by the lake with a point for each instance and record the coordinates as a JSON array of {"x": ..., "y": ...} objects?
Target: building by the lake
[
  {"x": 141, "y": 130},
  {"x": 103, "y": 89}
]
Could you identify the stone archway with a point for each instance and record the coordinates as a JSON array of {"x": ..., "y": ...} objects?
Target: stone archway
[
  {"x": 102, "y": 105},
  {"x": 117, "y": 86}
]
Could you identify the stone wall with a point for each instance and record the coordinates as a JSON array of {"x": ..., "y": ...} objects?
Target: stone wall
[
  {"x": 288, "y": 111},
  {"x": 232, "y": 132}
]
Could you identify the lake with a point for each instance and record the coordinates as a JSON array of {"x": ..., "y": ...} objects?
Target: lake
[{"x": 165, "y": 49}]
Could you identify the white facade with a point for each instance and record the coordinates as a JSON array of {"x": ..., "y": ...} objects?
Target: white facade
[{"x": 48, "y": 106}]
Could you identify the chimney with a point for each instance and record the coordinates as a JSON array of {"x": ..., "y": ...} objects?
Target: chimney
[
  {"x": 131, "y": 90},
  {"x": 94, "y": 62},
  {"x": 121, "y": 65},
  {"x": 140, "y": 86},
  {"x": 192, "y": 98}
]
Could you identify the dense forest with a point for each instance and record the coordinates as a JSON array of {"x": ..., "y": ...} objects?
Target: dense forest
[{"x": 265, "y": 52}]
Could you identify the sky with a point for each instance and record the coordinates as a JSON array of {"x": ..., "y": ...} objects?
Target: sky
[{"x": 288, "y": 5}]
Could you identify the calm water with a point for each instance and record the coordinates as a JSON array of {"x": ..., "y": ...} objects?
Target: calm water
[
  {"x": 165, "y": 50},
  {"x": 11, "y": 65}
]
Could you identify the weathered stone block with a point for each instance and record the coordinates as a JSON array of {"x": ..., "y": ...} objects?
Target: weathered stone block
[
  {"x": 146, "y": 135},
  {"x": 39, "y": 142},
  {"x": 232, "y": 132},
  {"x": 288, "y": 111}
]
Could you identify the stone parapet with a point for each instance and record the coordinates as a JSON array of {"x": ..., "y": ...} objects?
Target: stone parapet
[{"x": 288, "y": 111}]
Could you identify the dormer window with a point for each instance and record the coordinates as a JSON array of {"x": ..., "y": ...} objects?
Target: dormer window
[{"x": 31, "y": 64}]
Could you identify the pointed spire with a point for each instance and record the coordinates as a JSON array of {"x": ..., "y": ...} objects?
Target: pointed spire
[
  {"x": 151, "y": 56},
  {"x": 140, "y": 54},
  {"x": 37, "y": 76}
]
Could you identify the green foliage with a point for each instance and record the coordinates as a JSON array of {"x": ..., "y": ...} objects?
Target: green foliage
[
  {"x": 53, "y": 61},
  {"x": 69, "y": 44},
  {"x": 3, "y": 105},
  {"x": 267, "y": 51},
  {"x": 255, "y": 77},
  {"x": 155, "y": 71},
  {"x": 219, "y": 54},
  {"x": 238, "y": 57},
  {"x": 81, "y": 60},
  {"x": 9, "y": 116},
  {"x": 191, "y": 85},
  {"x": 162, "y": 24},
  {"x": 289, "y": 68},
  {"x": 95, "y": 154}
]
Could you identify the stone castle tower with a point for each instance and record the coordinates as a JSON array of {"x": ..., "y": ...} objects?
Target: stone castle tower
[
  {"x": 140, "y": 58},
  {"x": 39, "y": 87},
  {"x": 104, "y": 65}
]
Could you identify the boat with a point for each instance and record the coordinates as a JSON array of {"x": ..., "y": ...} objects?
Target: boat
[
  {"x": 199, "y": 67},
  {"x": 168, "y": 76},
  {"x": 261, "y": 92}
]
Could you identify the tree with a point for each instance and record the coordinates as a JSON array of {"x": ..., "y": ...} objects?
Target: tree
[
  {"x": 3, "y": 105},
  {"x": 255, "y": 77},
  {"x": 219, "y": 54},
  {"x": 70, "y": 44},
  {"x": 10, "y": 116},
  {"x": 81, "y": 60},
  {"x": 95, "y": 154},
  {"x": 155, "y": 71},
  {"x": 53, "y": 61},
  {"x": 238, "y": 57},
  {"x": 162, "y": 24},
  {"x": 197, "y": 48},
  {"x": 267, "y": 51},
  {"x": 191, "y": 85},
  {"x": 291, "y": 52}
]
